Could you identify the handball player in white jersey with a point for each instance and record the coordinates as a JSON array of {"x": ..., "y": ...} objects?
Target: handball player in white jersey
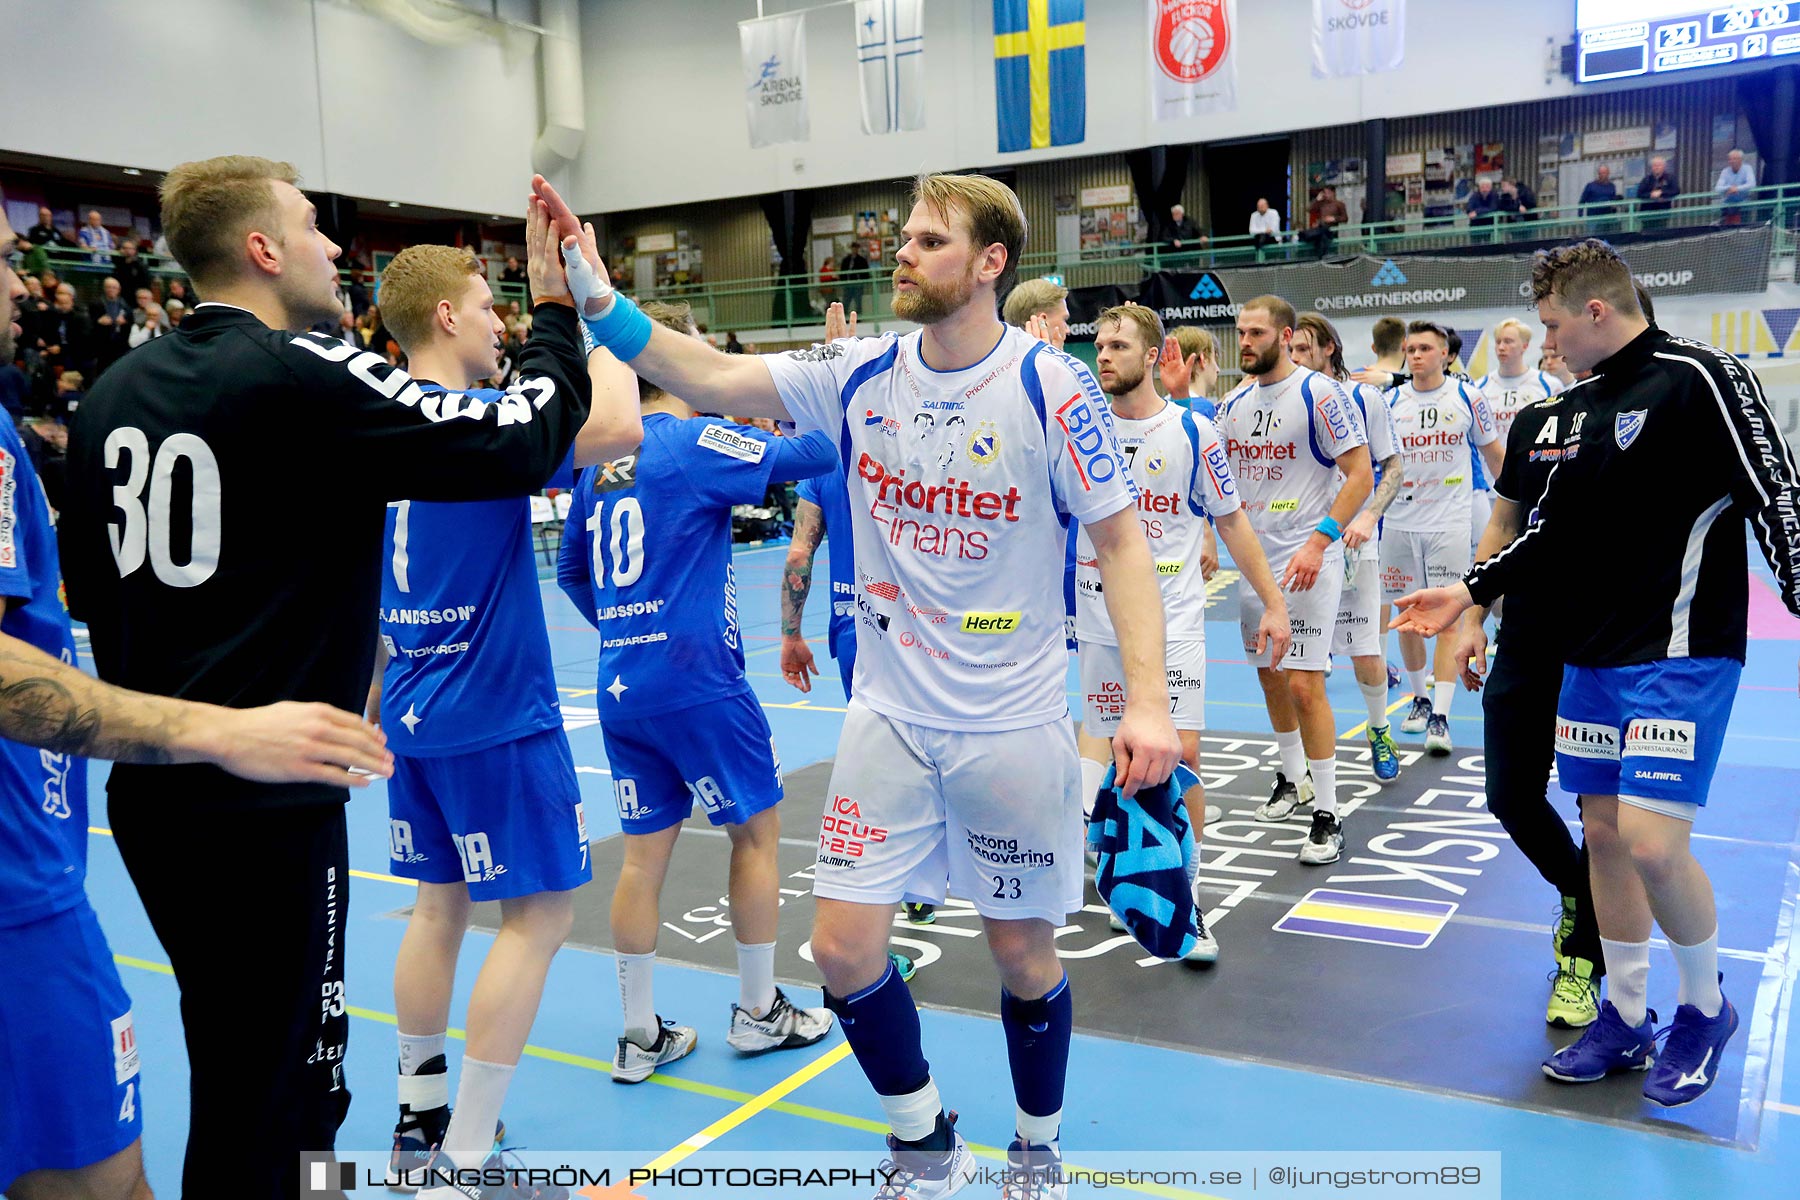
[
  {"x": 1507, "y": 389},
  {"x": 957, "y": 757},
  {"x": 1300, "y": 458},
  {"x": 1177, "y": 461},
  {"x": 1425, "y": 539},
  {"x": 1360, "y": 632}
]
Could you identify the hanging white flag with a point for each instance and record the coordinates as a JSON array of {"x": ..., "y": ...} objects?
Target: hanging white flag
[
  {"x": 1193, "y": 58},
  {"x": 890, "y": 54},
  {"x": 774, "y": 52},
  {"x": 1358, "y": 37}
]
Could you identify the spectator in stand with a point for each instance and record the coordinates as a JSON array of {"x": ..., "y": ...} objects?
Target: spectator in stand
[
  {"x": 1265, "y": 225},
  {"x": 71, "y": 386},
  {"x": 161, "y": 249},
  {"x": 1736, "y": 178},
  {"x": 142, "y": 299},
  {"x": 50, "y": 283},
  {"x": 175, "y": 310},
  {"x": 1518, "y": 202},
  {"x": 365, "y": 327},
  {"x": 111, "y": 318},
  {"x": 96, "y": 238},
  {"x": 827, "y": 281},
  {"x": 130, "y": 269},
  {"x": 513, "y": 272},
  {"x": 44, "y": 233},
  {"x": 1483, "y": 207},
  {"x": 68, "y": 338},
  {"x": 732, "y": 345},
  {"x": 1599, "y": 198},
  {"x": 33, "y": 259},
  {"x": 1656, "y": 192},
  {"x": 182, "y": 292},
  {"x": 854, "y": 271},
  {"x": 1183, "y": 236},
  {"x": 1324, "y": 215}
]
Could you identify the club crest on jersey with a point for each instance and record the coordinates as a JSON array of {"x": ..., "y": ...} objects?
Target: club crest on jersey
[
  {"x": 1627, "y": 426},
  {"x": 887, "y": 424},
  {"x": 1156, "y": 464},
  {"x": 984, "y": 444}
]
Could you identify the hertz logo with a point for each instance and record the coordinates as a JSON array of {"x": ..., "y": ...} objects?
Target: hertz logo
[
  {"x": 990, "y": 622},
  {"x": 1169, "y": 568}
]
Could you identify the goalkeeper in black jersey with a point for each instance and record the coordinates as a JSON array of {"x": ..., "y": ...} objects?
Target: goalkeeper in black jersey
[{"x": 1643, "y": 527}]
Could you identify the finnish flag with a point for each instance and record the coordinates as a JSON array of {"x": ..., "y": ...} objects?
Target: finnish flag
[{"x": 890, "y": 54}]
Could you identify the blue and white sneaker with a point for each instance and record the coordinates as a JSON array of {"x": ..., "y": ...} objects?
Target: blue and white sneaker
[
  {"x": 1034, "y": 1172},
  {"x": 1417, "y": 716},
  {"x": 1384, "y": 755},
  {"x": 1689, "y": 1062},
  {"x": 1606, "y": 1047},
  {"x": 1393, "y": 674},
  {"x": 914, "y": 1174}
]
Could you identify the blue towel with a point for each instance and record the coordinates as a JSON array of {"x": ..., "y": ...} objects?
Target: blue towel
[{"x": 1145, "y": 847}]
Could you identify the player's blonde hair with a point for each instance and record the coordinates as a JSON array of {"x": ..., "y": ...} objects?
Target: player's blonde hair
[
  {"x": 1194, "y": 340},
  {"x": 209, "y": 206},
  {"x": 1149, "y": 326},
  {"x": 1030, "y": 298},
  {"x": 1517, "y": 326},
  {"x": 990, "y": 208},
  {"x": 414, "y": 283}
]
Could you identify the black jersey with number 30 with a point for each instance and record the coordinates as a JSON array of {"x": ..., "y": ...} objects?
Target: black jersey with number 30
[
  {"x": 1640, "y": 537},
  {"x": 226, "y": 491}
]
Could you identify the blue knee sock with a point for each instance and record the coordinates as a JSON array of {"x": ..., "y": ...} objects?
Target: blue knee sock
[
  {"x": 881, "y": 1023},
  {"x": 1037, "y": 1047}
]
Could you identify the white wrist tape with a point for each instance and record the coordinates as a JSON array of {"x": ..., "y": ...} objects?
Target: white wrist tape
[{"x": 592, "y": 294}]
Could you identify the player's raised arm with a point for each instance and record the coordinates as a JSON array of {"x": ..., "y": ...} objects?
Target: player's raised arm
[{"x": 708, "y": 379}]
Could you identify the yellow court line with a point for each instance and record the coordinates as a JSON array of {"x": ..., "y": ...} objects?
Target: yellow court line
[
  {"x": 749, "y": 1105},
  {"x": 1363, "y": 726}
]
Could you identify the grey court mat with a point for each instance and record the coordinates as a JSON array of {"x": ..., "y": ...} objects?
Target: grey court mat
[{"x": 1418, "y": 959}]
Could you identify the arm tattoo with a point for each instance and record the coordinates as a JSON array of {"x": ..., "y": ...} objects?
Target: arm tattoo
[
  {"x": 53, "y": 706},
  {"x": 1388, "y": 488},
  {"x": 796, "y": 579}
]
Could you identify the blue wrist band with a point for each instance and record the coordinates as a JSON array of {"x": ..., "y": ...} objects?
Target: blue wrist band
[
  {"x": 622, "y": 329},
  {"x": 1329, "y": 528}
]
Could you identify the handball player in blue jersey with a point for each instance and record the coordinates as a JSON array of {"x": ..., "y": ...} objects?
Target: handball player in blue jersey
[
  {"x": 70, "y": 1104},
  {"x": 646, "y": 557},
  {"x": 483, "y": 804}
]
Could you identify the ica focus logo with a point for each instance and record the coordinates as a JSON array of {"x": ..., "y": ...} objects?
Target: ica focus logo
[{"x": 1191, "y": 38}]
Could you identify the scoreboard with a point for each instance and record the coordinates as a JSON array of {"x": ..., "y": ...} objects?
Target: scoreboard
[{"x": 1617, "y": 39}]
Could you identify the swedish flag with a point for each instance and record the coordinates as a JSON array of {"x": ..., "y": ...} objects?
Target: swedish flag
[{"x": 1040, "y": 72}]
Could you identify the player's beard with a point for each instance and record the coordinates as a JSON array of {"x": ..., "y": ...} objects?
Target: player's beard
[
  {"x": 1123, "y": 381},
  {"x": 8, "y": 344},
  {"x": 927, "y": 304},
  {"x": 1264, "y": 362}
]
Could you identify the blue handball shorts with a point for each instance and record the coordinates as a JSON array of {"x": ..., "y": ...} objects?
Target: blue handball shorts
[
  {"x": 720, "y": 753},
  {"x": 69, "y": 1071},
  {"x": 506, "y": 820},
  {"x": 1652, "y": 730}
]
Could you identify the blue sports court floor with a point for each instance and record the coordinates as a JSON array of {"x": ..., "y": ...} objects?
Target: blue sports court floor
[{"x": 1361, "y": 1041}]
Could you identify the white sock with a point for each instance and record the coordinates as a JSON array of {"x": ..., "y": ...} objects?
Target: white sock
[
  {"x": 1092, "y": 773},
  {"x": 914, "y": 1115},
  {"x": 756, "y": 977},
  {"x": 635, "y": 996},
  {"x": 470, "y": 1138},
  {"x": 1293, "y": 755},
  {"x": 1441, "y": 695},
  {"x": 1416, "y": 680},
  {"x": 1324, "y": 773},
  {"x": 1698, "y": 966},
  {"x": 418, "y": 1049},
  {"x": 1375, "y": 700},
  {"x": 1039, "y": 1131},
  {"x": 1628, "y": 979}
]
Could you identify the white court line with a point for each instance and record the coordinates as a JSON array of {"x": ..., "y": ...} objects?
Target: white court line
[{"x": 1788, "y": 1109}]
